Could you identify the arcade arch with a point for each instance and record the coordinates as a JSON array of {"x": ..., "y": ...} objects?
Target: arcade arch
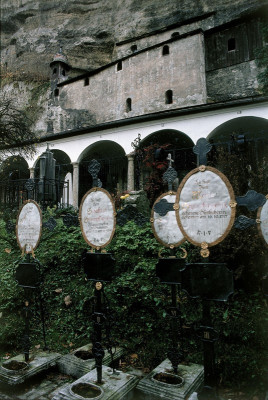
[
  {"x": 14, "y": 172},
  {"x": 13, "y": 168},
  {"x": 246, "y": 139},
  {"x": 152, "y": 157},
  {"x": 113, "y": 171},
  {"x": 175, "y": 142}
]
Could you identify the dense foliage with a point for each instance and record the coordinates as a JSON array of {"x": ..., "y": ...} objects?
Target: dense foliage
[
  {"x": 16, "y": 135},
  {"x": 137, "y": 300}
]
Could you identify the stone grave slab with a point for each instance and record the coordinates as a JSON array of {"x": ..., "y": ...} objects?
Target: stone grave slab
[
  {"x": 70, "y": 364},
  {"x": 192, "y": 374},
  {"x": 40, "y": 362},
  {"x": 114, "y": 387}
]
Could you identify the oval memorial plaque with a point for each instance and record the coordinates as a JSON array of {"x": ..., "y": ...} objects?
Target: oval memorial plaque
[
  {"x": 97, "y": 217},
  {"x": 29, "y": 226},
  {"x": 205, "y": 207},
  {"x": 164, "y": 222},
  {"x": 263, "y": 221}
]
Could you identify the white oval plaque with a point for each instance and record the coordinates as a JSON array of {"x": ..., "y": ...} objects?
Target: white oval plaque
[
  {"x": 29, "y": 226},
  {"x": 164, "y": 222},
  {"x": 97, "y": 217},
  {"x": 263, "y": 218},
  {"x": 206, "y": 206}
]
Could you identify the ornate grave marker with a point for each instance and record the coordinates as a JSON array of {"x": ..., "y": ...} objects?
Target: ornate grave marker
[
  {"x": 164, "y": 223},
  {"x": 205, "y": 210},
  {"x": 163, "y": 218},
  {"x": 97, "y": 218},
  {"x": 205, "y": 207},
  {"x": 97, "y": 222},
  {"x": 27, "y": 274},
  {"x": 167, "y": 232},
  {"x": 29, "y": 226}
]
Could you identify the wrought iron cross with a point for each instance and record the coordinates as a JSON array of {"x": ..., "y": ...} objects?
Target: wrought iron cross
[
  {"x": 252, "y": 200},
  {"x": 171, "y": 174},
  {"x": 94, "y": 169},
  {"x": 201, "y": 148}
]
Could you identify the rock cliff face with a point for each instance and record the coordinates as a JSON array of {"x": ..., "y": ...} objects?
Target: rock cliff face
[{"x": 88, "y": 29}]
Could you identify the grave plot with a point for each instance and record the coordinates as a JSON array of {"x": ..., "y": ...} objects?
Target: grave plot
[
  {"x": 28, "y": 275},
  {"x": 97, "y": 222}
]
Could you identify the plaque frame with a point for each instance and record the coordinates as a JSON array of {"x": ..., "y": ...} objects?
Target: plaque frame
[
  {"x": 259, "y": 220},
  {"x": 23, "y": 248},
  {"x": 170, "y": 246},
  {"x": 232, "y": 203},
  {"x": 97, "y": 189}
]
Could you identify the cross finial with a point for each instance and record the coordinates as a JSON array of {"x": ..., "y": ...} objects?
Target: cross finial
[
  {"x": 201, "y": 148},
  {"x": 170, "y": 159}
]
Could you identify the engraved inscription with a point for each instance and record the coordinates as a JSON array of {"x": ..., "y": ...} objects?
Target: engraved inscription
[
  {"x": 205, "y": 214},
  {"x": 165, "y": 226},
  {"x": 97, "y": 217},
  {"x": 29, "y": 225}
]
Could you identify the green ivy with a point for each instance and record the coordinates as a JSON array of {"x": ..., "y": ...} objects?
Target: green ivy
[{"x": 137, "y": 300}]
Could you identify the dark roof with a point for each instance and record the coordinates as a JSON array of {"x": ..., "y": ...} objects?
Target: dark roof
[{"x": 155, "y": 116}]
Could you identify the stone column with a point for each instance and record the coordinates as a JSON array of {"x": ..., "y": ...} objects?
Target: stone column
[
  {"x": 130, "y": 173},
  {"x": 75, "y": 183},
  {"x": 31, "y": 173}
]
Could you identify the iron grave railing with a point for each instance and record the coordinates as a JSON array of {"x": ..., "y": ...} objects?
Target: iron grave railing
[{"x": 47, "y": 192}]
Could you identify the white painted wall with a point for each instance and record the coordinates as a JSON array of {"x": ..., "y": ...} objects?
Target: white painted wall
[{"x": 194, "y": 125}]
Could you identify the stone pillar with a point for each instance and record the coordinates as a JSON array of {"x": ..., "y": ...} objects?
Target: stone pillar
[
  {"x": 75, "y": 183},
  {"x": 130, "y": 173},
  {"x": 31, "y": 173}
]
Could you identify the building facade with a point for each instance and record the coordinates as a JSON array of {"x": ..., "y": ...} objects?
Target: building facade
[{"x": 169, "y": 87}]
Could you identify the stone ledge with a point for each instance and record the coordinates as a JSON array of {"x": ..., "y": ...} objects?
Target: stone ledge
[
  {"x": 192, "y": 374},
  {"x": 115, "y": 387},
  {"x": 40, "y": 362},
  {"x": 69, "y": 364}
]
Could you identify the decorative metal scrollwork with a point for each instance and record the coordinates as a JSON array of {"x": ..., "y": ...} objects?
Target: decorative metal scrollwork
[
  {"x": 10, "y": 227},
  {"x": 94, "y": 169},
  {"x": 29, "y": 185},
  {"x": 243, "y": 222},
  {"x": 98, "y": 353},
  {"x": 50, "y": 224},
  {"x": 70, "y": 220},
  {"x": 130, "y": 213},
  {"x": 252, "y": 200}
]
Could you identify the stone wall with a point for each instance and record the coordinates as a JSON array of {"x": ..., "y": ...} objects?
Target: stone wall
[
  {"x": 123, "y": 49},
  {"x": 145, "y": 79},
  {"x": 233, "y": 82}
]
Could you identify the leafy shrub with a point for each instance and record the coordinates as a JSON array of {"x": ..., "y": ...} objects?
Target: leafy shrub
[{"x": 136, "y": 299}]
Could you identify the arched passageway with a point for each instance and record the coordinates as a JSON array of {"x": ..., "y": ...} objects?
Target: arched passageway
[
  {"x": 152, "y": 156},
  {"x": 14, "y": 172},
  {"x": 243, "y": 141},
  {"x": 53, "y": 179},
  {"x": 113, "y": 171},
  {"x": 13, "y": 168},
  {"x": 62, "y": 166}
]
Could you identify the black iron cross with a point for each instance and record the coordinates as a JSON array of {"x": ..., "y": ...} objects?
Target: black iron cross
[
  {"x": 201, "y": 148},
  {"x": 163, "y": 207},
  {"x": 252, "y": 200},
  {"x": 94, "y": 169},
  {"x": 171, "y": 174}
]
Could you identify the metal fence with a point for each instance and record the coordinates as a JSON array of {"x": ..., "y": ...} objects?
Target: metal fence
[{"x": 46, "y": 192}]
